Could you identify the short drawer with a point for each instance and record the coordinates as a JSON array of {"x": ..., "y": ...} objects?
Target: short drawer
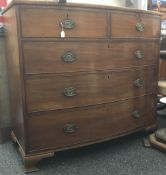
[
  {"x": 125, "y": 25},
  {"x": 66, "y": 128},
  {"x": 83, "y": 89},
  {"x": 46, "y": 22},
  {"x": 58, "y": 57}
]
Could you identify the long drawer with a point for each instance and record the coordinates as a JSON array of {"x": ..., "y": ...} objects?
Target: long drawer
[
  {"x": 46, "y": 22},
  {"x": 35, "y": 23},
  {"x": 60, "y": 129},
  {"x": 135, "y": 25},
  {"x": 58, "y": 57},
  {"x": 83, "y": 89}
]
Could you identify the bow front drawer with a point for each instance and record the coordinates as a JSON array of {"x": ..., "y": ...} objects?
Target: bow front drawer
[
  {"x": 83, "y": 89},
  {"x": 58, "y": 57},
  {"x": 126, "y": 25},
  {"x": 49, "y": 22},
  {"x": 59, "y": 129}
]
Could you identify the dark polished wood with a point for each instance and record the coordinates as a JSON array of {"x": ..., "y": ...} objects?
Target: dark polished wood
[
  {"x": 14, "y": 75},
  {"x": 53, "y": 3},
  {"x": 31, "y": 160},
  {"x": 162, "y": 64},
  {"x": 96, "y": 84},
  {"x": 126, "y": 25},
  {"x": 47, "y": 93},
  {"x": 94, "y": 123},
  {"x": 88, "y": 56},
  {"x": 35, "y": 23}
]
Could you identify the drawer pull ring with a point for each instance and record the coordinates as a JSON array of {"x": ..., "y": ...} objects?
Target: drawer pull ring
[
  {"x": 70, "y": 92},
  {"x": 140, "y": 27},
  {"x": 70, "y": 128},
  {"x": 136, "y": 114},
  {"x": 138, "y": 83},
  {"x": 67, "y": 23},
  {"x": 68, "y": 57},
  {"x": 139, "y": 54}
]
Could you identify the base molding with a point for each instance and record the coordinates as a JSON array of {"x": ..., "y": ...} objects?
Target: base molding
[
  {"x": 5, "y": 134},
  {"x": 31, "y": 160}
]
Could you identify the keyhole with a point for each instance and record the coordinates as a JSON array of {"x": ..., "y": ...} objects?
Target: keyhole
[{"x": 107, "y": 76}]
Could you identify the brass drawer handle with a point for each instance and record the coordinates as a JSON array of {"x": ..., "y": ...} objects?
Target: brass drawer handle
[
  {"x": 70, "y": 128},
  {"x": 70, "y": 92},
  {"x": 68, "y": 57},
  {"x": 136, "y": 114},
  {"x": 140, "y": 27},
  {"x": 138, "y": 83},
  {"x": 67, "y": 23},
  {"x": 139, "y": 54}
]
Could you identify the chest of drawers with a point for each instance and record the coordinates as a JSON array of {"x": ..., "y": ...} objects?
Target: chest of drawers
[{"x": 97, "y": 83}]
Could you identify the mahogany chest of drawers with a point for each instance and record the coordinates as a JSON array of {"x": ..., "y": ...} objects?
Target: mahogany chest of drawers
[{"x": 97, "y": 83}]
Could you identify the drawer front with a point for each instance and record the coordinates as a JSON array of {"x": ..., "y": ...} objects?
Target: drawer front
[
  {"x": 135, "y": 25},
  {"x": 46, "y": 22},
  {"x": 71, "y": 127},
  {"x": 67, "y": 91},
  {"x": 58, "y": 57}
]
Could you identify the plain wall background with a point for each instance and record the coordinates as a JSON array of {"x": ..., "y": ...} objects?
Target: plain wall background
[{"x": 5, "y": 121}]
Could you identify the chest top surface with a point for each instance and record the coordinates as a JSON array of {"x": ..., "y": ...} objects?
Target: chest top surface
[{"x": 56, "y": 3}]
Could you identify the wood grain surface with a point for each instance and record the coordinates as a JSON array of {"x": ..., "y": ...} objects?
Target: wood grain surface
[
  {"x": 94, "y": 123},
  {"x": 47, "y": 93},
  {"x": 46, "y": 57}
]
